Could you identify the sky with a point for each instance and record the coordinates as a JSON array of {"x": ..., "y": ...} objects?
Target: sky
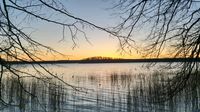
[
  {"x": 101, "y": 44},
  {"x": 97, "y": 43}
]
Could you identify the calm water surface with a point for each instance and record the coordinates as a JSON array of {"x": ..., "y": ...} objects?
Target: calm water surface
[{"x": 127, "y": 87}]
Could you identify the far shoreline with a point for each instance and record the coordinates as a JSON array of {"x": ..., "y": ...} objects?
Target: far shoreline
[{"x": 150, "y": 60}]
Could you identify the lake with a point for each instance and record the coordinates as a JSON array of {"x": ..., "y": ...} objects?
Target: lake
[{"x": 117, "y": 87}]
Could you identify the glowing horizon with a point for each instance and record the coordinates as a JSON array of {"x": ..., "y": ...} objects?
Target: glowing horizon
[
  {"x": 101, "y": 44},
  {"x": 79, "y": 57}
]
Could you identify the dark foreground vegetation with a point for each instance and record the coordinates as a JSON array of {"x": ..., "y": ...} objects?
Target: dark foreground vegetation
[
  {"x": 31, "y": 95},
  {"x": 123, "y": 92}
]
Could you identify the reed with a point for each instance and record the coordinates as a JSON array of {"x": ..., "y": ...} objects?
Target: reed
[{"x": 124, "y": 92}]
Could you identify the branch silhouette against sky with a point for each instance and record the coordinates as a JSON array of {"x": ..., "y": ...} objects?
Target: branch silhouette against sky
[{"x": 169, "y": 27}]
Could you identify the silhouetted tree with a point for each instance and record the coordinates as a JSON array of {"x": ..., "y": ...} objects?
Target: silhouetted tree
[
  {"x": 18, "y": 45},
  {"x": 173, "y": 27}
]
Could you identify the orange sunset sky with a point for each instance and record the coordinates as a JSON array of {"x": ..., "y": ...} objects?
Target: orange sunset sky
[{"x": 101, "y": 44}]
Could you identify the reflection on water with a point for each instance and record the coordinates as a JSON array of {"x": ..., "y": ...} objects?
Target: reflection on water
[{"x": 120, "y": 91}]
